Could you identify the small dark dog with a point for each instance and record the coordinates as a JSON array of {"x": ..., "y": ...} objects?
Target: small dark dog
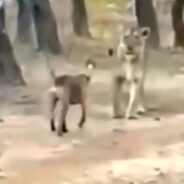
[{"x": 68, "y": 90}]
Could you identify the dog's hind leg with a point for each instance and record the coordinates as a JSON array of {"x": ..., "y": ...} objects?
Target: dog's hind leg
[
  {"x": 117, "y": 90},
  {"x": 52, "y": 105},
  {"x": 64, "y": 106}
]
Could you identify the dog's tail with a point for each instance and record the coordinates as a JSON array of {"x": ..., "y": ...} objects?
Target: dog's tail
[{"x": 51, "y": 71}]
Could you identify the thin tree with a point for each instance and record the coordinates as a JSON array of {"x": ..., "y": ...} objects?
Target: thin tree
[
  {"x": 24, "y": 21},
  {"x": 2, "y": 15},
  {"x": 177, "y": 22},
  {"x": 80, "y": 18},
  {"x": 10, "y": 72},
  {"x": 40, "y": 12},
  {"x": 146, "y": 16},
  {"x": 46, "y": 27}
]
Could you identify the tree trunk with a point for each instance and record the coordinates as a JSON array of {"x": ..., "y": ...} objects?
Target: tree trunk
[
  {"x": 44, "y": 22},
  {"x": 146, "y": 16},
  {"x": 46, "y": 27},
  {"x": 177, "y": 22},
  {"x": 24, "y": 21},
  {"x": 79, "y": 18},
  {"x": 10, "y": 72},
  {"x": 2, "y": 16}
]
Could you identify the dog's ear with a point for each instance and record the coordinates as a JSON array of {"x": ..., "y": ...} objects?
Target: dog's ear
[{"x": 145, "y": 32}]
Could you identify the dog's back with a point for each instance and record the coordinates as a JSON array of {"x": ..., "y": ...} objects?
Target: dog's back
[
  {"x": 74, "y": 84},
  {"x": 68, "y": 90}
]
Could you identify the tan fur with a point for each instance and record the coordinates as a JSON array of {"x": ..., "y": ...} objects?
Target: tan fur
[{"x": 132, "y": 54}]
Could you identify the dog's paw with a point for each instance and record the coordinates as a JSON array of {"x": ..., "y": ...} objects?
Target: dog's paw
[
  {"x": 52, "y": 126},
  {"x": 65, "y": 130},
  {"x": 81, "y": 125},
  {"x": 53, "y": 129}
]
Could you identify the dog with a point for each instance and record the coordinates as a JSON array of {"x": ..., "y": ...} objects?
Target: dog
[{"x": 68, "y": 90}]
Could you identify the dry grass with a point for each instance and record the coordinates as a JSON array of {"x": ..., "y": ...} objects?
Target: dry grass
[{"x": 103, "y": 15}]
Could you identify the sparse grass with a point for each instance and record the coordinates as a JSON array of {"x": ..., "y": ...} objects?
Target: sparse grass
[
  {"x": 104, "y": 17},
  {"x": 102, "y": 12},
  {"x": 102, "y": 5}
]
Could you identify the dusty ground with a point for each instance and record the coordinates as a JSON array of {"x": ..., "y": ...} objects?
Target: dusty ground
[
  {"x": 148, "y": 150},
  {"x": 31, "y": 153}
]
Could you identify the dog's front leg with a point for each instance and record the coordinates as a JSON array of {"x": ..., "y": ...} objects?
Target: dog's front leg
[
  {"x": 83, "y": 107},
  {"x": 64, "y": 105}
]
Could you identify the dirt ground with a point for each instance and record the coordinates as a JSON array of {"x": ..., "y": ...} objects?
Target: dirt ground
[{"x": 148, "y": 150}]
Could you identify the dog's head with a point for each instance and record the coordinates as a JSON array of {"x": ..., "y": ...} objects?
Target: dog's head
[{"x": 90, "y": 66}]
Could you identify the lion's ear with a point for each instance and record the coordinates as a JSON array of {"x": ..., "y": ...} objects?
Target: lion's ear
[{"x": 145, "y": 32}]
